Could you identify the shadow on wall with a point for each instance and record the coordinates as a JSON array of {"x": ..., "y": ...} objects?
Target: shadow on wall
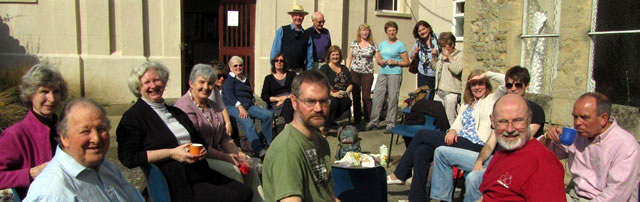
[{"x": 14, "y": 61}]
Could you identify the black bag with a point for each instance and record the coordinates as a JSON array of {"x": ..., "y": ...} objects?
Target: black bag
[
  {"x": 348, "y": 141},
  {"x": 413, "y": 66}
]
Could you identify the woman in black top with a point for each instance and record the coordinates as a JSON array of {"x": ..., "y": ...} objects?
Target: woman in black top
[
  {"x": 276, "y": 89},
  {"x": 340, "y": 84}
]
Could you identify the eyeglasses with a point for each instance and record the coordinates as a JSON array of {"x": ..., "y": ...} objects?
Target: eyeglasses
[
  {"x": 517, "y": 85},
  {"x": 312, "y": 102},
  {"x": 278, "y": 60},
  {"x": 517, "y": 123},
  {"x": 321, "y": 21},
  {"x": 476, "y": 83}
]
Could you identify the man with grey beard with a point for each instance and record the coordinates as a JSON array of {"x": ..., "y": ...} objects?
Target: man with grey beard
[{"x": 523, "y": 169}]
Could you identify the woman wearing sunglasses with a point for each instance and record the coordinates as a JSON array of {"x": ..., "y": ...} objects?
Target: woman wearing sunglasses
[
  {"x": 276, "y": 89},
  {"x": 470, "y": 131}
]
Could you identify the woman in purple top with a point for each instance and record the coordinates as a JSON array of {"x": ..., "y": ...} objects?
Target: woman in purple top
[{"x": 27, "y": 146}]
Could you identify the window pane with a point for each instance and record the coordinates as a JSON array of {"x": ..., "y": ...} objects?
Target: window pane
[
  {"x": 540, "y": 57},
  {"x": 615, "y": 67},
  {"x": 459, "y": 26},
  {"x": 618, "y": 15},
  {"x": 542, "y": 17},
  {"x": 386, "y": 5},
  {"x": 459, "y": 7}
]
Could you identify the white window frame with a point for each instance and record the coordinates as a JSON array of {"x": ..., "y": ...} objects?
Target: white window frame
[
  {"x": 523, "y": 36},
  {"x": 456, "y": 16},
  {"x": 591, "y": 84}
]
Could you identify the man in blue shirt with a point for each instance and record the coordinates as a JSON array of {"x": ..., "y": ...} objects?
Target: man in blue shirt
[
  {"x": 321, "y": 39},
  {"x": 79, "y": 170},
  {"x": 294, "y": 42}
]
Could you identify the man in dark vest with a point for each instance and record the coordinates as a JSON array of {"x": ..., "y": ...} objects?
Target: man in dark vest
[{"x": 294, "y": 42}]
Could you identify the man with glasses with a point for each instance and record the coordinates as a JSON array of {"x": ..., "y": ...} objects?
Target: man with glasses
[
  {"x": 294, "y": 42},
  {"x": 522, "y": 169},
  {"x": 517, "y": 82},
  {"x": 321, "y": 39},
  {"x": 297, "y": 166}
]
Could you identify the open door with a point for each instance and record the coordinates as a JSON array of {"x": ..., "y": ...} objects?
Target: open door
[{"x": 236, "y": 33}]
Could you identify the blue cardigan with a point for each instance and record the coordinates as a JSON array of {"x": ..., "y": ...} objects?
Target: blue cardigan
[{"x": 234, "y": 90}]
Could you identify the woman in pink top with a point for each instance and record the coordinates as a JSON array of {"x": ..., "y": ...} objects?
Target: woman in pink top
[{"x": 27, "y": 146}]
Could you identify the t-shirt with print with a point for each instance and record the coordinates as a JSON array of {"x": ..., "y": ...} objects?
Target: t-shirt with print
[
  {"x": 531, "y": 173},
  {"x": 391, "y": 51},
  {"x": 297, "y": 166}
]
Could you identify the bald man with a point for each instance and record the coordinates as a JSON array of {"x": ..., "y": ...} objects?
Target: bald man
[{"x": 523, "y": 169}]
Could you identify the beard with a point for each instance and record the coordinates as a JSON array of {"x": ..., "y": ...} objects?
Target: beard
[
  {"x": 511, "y": 145},
  {"x": 314, "y": 120}
]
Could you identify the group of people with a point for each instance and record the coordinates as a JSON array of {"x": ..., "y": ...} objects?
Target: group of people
[
  {"x": 497, "y": 139},
  {"x": 496, "y": 135}
]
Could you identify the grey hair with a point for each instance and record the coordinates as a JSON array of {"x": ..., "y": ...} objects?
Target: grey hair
[
  {"x": 64, "y": 117},
  {"x": 235, "y": 59},
  {"x": 313, "y": 17},
  {"x": 139, "y": 70},
  {"x": 41, "y": 75},
  {"x": 203, "y": 70}
]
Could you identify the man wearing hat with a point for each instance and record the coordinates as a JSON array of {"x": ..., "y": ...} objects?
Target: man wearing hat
[{"x": 294, "y": 42}]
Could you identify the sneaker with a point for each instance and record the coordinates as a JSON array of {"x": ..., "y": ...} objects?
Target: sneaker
[{"x": 387, "y": 130}]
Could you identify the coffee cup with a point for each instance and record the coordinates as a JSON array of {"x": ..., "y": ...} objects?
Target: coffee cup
[
  {"x": 195, "y": 149},
  {"x": 568, "y": 136}
]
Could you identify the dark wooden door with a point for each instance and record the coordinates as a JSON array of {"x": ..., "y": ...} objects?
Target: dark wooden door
[{"x": 238, "y": 40}]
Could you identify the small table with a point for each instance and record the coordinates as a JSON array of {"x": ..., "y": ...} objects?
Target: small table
[{"x": 359, "y": 184}]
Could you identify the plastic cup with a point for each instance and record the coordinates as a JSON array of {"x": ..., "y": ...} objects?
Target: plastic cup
[
  {"x": 195, "y": 149},
  {"x": 568, "y": 136}
]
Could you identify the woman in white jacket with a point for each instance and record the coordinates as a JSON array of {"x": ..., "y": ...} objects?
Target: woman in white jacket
[{"x": 470, "y": 130}]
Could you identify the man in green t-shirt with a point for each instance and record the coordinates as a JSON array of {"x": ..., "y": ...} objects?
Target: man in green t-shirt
[{"x": 297, "y": 165}]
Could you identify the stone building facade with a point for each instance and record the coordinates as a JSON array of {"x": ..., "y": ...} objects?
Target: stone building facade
[{"x": 549, "y": 37}]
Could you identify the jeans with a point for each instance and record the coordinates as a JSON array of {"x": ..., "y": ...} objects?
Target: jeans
[
  {"x": 472, "y": 183},
  {"x": 266, "y": 118},
  {"x": 418, "y": 156},
  {"x": 442, "y": 178},
  {"x": 426, "y": 81}
]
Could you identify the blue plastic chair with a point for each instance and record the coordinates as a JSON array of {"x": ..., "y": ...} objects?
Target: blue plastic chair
[
  {"x": 157, "y": 185},
  {"x": 16, "y": 197},
  {"x": 360, "y": 184},
  {"x": 411, "y": 130}
]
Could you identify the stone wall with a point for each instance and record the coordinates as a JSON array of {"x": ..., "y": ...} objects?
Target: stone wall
[{"x": 492, "y": 42}]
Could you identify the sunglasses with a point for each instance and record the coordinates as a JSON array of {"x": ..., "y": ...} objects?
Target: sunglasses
[
  {"x": 224, "y": 76},
  {"x": 476, "y": 83},
  {"x": 237, "y": 65},
  {"x": 517, "y": 85},
  {"x": 278, "y": 60},
  {"x": 321, "y": 21}
]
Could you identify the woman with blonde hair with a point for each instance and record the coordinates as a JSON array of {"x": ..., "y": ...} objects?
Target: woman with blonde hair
[{"x": 360, "y": 62}]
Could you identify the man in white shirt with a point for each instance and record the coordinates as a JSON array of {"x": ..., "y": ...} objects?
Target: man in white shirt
[{"x": 79, "y": 170}]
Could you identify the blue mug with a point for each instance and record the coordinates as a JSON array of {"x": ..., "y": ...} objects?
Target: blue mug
[{"x": 568, "y": 136}]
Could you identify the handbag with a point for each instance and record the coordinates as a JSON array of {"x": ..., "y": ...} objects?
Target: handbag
[{"x": 413, "y": 66}]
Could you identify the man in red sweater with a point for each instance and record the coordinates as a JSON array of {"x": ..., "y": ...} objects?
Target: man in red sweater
[{"x": 522, "y": 169}]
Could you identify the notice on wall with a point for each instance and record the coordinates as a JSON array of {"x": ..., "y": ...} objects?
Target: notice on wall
[{"x": 232, "y": 18}]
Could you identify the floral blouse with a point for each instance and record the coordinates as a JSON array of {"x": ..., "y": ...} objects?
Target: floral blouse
[
  {"x": 362, "y": 58},
  {"x": 469, "y": 126}
]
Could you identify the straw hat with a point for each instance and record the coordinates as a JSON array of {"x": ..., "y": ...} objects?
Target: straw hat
[{"x": 297, "y": 9}]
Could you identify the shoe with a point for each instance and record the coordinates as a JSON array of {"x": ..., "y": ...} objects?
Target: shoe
[
  {"x": 370, "y": 127},
  {"x": 394, "y": 182},
  {"x": 387, "y": 130}
]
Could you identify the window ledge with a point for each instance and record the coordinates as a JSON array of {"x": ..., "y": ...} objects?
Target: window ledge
[{"x": 393, "y": 14}]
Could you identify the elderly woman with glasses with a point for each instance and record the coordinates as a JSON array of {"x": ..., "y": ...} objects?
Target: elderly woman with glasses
[
  {"x": 240, "y": 102},
  {"x": 276, "y": 89},
  {"x": 27, "y": 146},
  {"x": 470, "y": 131},
  {"x": 151, "y": 132}
]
